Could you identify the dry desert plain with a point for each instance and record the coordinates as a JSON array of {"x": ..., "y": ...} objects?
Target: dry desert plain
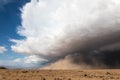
[{"x": 105, "y": 74}]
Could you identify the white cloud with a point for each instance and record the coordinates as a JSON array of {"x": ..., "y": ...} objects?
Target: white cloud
[
  {"x": 57, "y": 27},
  {"x": 2, "y": 49},
  {"x": 31, "y": 61}
]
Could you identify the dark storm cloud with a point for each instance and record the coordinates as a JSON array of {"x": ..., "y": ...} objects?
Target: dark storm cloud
[{"x": 79, "y": 28}]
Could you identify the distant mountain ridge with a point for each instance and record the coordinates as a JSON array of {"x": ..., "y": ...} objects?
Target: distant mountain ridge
[{"x": 3, "y": 68}]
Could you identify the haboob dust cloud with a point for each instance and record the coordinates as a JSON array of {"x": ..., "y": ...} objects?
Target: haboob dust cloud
[{"x": 71, "y": 34}]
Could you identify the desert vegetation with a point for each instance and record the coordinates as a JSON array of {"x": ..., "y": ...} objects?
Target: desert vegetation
[{"x": 6, "y": 74}]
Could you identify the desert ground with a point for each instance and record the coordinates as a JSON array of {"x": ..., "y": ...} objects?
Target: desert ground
[{"x": 105, "y": 74}]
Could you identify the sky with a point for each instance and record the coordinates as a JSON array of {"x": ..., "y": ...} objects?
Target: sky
[
  {"x": 10, "y": 19},
  {"x": 79, "y": 33}
]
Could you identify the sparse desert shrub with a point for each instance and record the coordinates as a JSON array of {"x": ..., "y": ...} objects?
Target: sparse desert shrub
[
  {"x": 4, "y": 77},
  {"x": 85, "y": 75},
  {"x": 111, "y": 77},
  {"x": 42, "y": 78},
  {"x": 107, "y": 73},
  {"x": 37, "y": 71},
  {"x": 58, "y": 78},
  {"x": 101, "y": 76},
  {"x": 69, "y": 79},
  {"x": 24, "y": 71}
]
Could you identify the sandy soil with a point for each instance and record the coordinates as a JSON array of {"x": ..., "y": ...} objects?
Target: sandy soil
[{"x": 6, "y": 74}]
